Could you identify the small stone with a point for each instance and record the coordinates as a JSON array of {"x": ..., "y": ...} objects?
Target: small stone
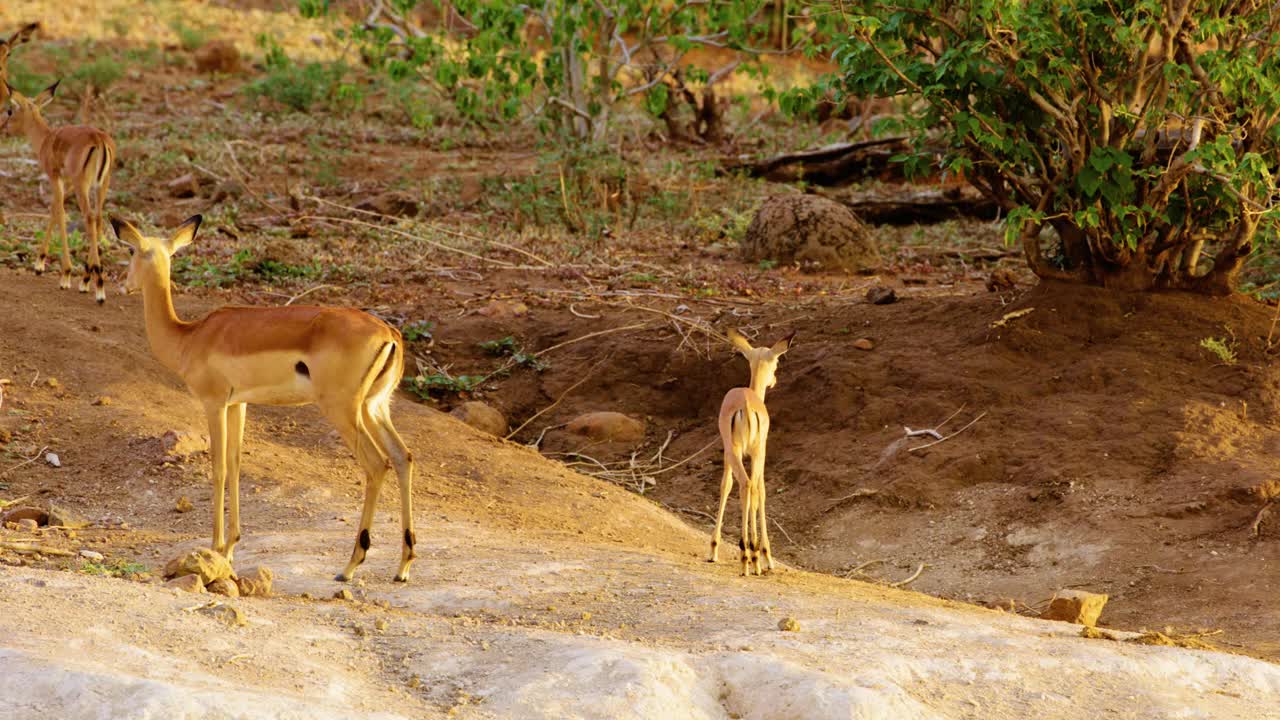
[
  {"x": 228, "y": 190},
  {"x": 482, "y": 417},
  {"x": 186, "y": 186},
  {"x": 28, "y": 525},
  {"x": 380, "y": 625},
  {"x": 60, "y": 516},
  {"x": 206, "y": 563},
  {"x": 789, "y": 624},
  {"x": 183, "y": 505},
  {"x": 229, "y": 614},
  {"x": 1001, "y": 280},
  {"x": 186, "y": 583},
  {"x": 586, "y": 617},
  {"x": 881, "y": 295},
  {"x": 391, "y": 203},
  {"x": 53, "y": 459},
  {"x": 414, "y": 683},
  {"x": 343, "y": 594},
  {"x": 102, "y": 400},
  {"x": 608, "y": 426},
  {"x": 504, "y": 310},
  {"x": 223, "y": 587},
  {"x": 1075, "y": 606},
  {"x": 255, "y": 582},
  {"x": 181, "y": 443},
  {"x": 864, "y": 344},
  {"x": 218, "y": 56},
  {"x": 93, "y": 555},
  {"x": 52, "y": 382}
]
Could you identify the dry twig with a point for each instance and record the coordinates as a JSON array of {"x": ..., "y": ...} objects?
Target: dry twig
[{"x": 909, "y": 580}]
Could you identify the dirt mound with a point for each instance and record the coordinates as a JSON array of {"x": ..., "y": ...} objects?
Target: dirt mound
[
  {"x": 811, "y": 231},
  {"x": 1102, "y": 443},
  {"x": 536, "y": 587}
]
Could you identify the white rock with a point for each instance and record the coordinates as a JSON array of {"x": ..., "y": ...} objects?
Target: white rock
[
  {"x": 52, "y": 459},
  {"x": 91, "y": 555}
]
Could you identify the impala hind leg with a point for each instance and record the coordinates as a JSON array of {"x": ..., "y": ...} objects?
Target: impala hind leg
[
  {"x": 99, "y": 291},
  {"x": 91, "y": 239},
  {"x": 745, "y": 544},
  {"x": 726, "y": 487},
  {"x": 235, "y": 439},
  {"x": 757, "y": 479},
  {"x": 376, "y": 466},
  {"x": 393, "y": 446}
]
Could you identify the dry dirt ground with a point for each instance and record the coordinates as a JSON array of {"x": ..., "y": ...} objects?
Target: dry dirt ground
[
  {"x": 1108, "y": 450},
  {"x": 539, "y": 593}
]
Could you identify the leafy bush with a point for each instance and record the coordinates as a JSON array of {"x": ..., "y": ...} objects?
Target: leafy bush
[
  {"x": 1143, "y": 133},
  {"x": 569, "y": 63},
  {"x": 300, "y": 87}
]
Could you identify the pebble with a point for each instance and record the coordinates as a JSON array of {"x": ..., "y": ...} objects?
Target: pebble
[
  {"x": 864, "y": 344},
  {"x": 343, "y": 594},
  {"x": 91, "y": 555},
  {"x": 183, "y": 504},
  {"x": 789, "y": 624},
  {"x": 881, "y": 295},
  {"x": 102, "y": 400},
  {"x": 52, "y": 459}
]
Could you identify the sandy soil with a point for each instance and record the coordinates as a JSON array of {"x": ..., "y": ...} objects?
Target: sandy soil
[{"x": 540, "y": 593}]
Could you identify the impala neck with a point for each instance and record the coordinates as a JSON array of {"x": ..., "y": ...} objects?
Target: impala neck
[
  {"x": 758, "y": 386},
  {"x": 164, "y": 329},
  {"x": 36, "y": 130}
]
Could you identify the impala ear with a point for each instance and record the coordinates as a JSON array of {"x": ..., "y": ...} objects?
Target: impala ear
[
  {"x": 185, "y": 233},
  {"x": 46, "y": 95},
  {"x": 127, "y": 233},
  {"x": 784, "y": 344},
  {"x": 739, "y": 343},
  {"x": 23, "y": 34}
]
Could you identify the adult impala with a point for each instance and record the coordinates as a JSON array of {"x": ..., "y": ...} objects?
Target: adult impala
[
  {"x": 79, "y": 156},
  {"x": 744, "y": 428},
  {"x": 345, "y": 361}
]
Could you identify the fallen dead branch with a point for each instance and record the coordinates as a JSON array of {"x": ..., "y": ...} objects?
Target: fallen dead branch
[
  {"x": 31, "y": 549},
  {"x": 948, "y": 437},
  {"x": 396, "y": 231},
  {"x": 858, "y": 570},
  {"x": 585, "y": 377},
  {"x": 638, "y": 475},
  {"x": 910, "y": 579},
  {"x": 39, "y": 454},
  {"x": 1014, "y": 315}
]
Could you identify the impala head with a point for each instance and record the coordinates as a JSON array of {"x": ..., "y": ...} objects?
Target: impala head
[
  {"x": 22, "y": 110},
  {"x": 6, "y": 46},
  {"x": 764, "y": 360},
  {"x": 151, "y": 254}
]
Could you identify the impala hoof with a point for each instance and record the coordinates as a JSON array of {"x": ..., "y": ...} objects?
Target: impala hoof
[
  {"x": 342, "y": 577},
  {"x": 402, "y": 578}
]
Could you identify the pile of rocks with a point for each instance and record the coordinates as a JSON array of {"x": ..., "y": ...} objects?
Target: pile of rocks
[{"x": 205, "y": 570}]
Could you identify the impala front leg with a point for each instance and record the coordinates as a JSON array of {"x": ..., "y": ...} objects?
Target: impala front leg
[
  {"x": 235, "y": 438},
  {"x": 217, "y": 415}
]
